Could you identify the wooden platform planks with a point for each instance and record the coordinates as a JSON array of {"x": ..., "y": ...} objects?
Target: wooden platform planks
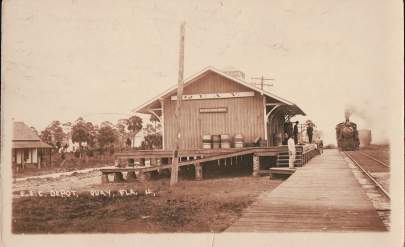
[{"x": 322, "y": 196}]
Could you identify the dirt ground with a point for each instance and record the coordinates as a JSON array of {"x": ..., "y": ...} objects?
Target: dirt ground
[
  {"x": 380, "y": 152},
  {"x": 71, "y": 163},
  {"x": 191, "y": 206}
]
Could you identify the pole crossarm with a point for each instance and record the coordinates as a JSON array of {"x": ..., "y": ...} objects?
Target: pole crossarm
[{"x": 261, "y": 83}]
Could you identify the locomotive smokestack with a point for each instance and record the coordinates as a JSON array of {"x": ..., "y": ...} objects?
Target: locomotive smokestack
[{"x": 348, "y": 113}]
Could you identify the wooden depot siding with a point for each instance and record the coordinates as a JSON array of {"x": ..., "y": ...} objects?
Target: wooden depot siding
[{"x": 244, "y": 115}]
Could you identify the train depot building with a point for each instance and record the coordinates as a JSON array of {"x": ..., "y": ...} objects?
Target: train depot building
[{"x": 219, "y": 104}]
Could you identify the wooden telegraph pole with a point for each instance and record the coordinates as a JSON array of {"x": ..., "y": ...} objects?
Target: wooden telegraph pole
[{"x": 175, "y": 160}]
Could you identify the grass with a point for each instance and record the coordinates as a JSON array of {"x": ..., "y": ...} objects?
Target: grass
[
  {"x": 191, "y": 206},
  {"x": 71, "y": 164}
]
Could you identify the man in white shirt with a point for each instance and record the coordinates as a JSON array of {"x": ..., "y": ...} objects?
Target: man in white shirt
[{"x": 291, "y": 152}]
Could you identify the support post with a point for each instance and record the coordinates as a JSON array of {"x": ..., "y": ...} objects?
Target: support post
[
  {"x": 158, "y": 163},
  {"x": 198, "y": 171},
  {"x": 39, "y": 159},
  {"x": 162, "y": 122},
  {"x": 265, "y": 119},
  {"x": 256, "y": 165},
  {"x": 104, "y": 178}
]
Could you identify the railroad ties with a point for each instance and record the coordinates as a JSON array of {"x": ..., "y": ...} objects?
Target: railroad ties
[{"x": 322, "y": 196}]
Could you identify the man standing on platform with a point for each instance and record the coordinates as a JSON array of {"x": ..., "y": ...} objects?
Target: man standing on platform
[
  {"x": 320, "y": 146},
  {"x": 295, "y": 132},
  {"x": 310, "y": 132},
  {"x": 291, "y": 152}
]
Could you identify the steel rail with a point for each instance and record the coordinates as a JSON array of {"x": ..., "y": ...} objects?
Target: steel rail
[
  {"x": 376, "y": 160},
  {"x": 379, "y": 186}
]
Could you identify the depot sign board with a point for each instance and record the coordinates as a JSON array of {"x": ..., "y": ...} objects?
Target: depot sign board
[{"x": 216, "y": 95}]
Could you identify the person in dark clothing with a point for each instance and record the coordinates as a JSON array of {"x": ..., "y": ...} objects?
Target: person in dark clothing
[
  {"x": 310, "y": 132},
  {"x": 288, "y": 131},
  {"x": 285, "y": 139},
  {"x": 285, "y": 127},
  {"x": 295, "y": 133}
]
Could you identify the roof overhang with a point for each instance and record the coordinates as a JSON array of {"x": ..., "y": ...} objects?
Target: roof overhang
[
  {"x": 293, "y": 110},
  {"x": 287, "y": 110},
  {"x": 30, "y": 144}
]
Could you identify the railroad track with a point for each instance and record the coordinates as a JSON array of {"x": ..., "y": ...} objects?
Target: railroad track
[
  {"x": 373, "y": 158},
  {"x": 368, "y": 165},
  {"x": 368, "y": 162}
]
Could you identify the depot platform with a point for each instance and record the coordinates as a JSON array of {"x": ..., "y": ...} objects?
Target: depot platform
[{"x": 324, "y": 195}]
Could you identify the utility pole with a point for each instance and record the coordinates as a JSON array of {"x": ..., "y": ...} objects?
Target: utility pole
[
  {"x": 175, "y": 159},
  {"x": 262, "y": 80}
]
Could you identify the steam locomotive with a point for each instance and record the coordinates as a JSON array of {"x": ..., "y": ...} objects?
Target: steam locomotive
[{"x": 347, "y": 136}]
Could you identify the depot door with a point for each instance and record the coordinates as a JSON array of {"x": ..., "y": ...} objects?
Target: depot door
[{"x": 212, "y": 124}]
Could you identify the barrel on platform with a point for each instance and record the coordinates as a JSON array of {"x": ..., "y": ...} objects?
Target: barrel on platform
[
  {"x": 238, "y": 141},
  {"x": 206, "y": 140},
  {"x": 216, "y": 141},
  {"x": 364, "y": 137},
  {"x": 225, "y": 141},
  {"x": 263, "y": 143}
]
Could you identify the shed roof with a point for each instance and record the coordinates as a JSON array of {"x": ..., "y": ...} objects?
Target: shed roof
[{"x": 151, "y": 103}]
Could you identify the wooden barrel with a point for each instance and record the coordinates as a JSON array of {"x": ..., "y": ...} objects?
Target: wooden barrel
[
  {"x": 262, "y": 143},
  {"x": 206, "y": 140},
  {"x": 216, "y": 141},
  {"x": 131, "y": 162},
  {"x": 238, "y": 141},
  {"x": 225, "y": 141}
]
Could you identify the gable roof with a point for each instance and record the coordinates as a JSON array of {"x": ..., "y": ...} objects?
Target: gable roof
[
  {"x": 143, "y": 108},
  {"x": 21, "y": 132}
]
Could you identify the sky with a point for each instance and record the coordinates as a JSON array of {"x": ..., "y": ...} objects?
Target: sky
[{"x": 72, "y": 58}]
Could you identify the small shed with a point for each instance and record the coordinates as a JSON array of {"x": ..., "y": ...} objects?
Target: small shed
[
  {"x": 27, "y": 147},
  {"x": 216, "y": 102}
]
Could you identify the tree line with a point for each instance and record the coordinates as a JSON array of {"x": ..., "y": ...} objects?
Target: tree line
[{"x": 103, "y": 138}]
